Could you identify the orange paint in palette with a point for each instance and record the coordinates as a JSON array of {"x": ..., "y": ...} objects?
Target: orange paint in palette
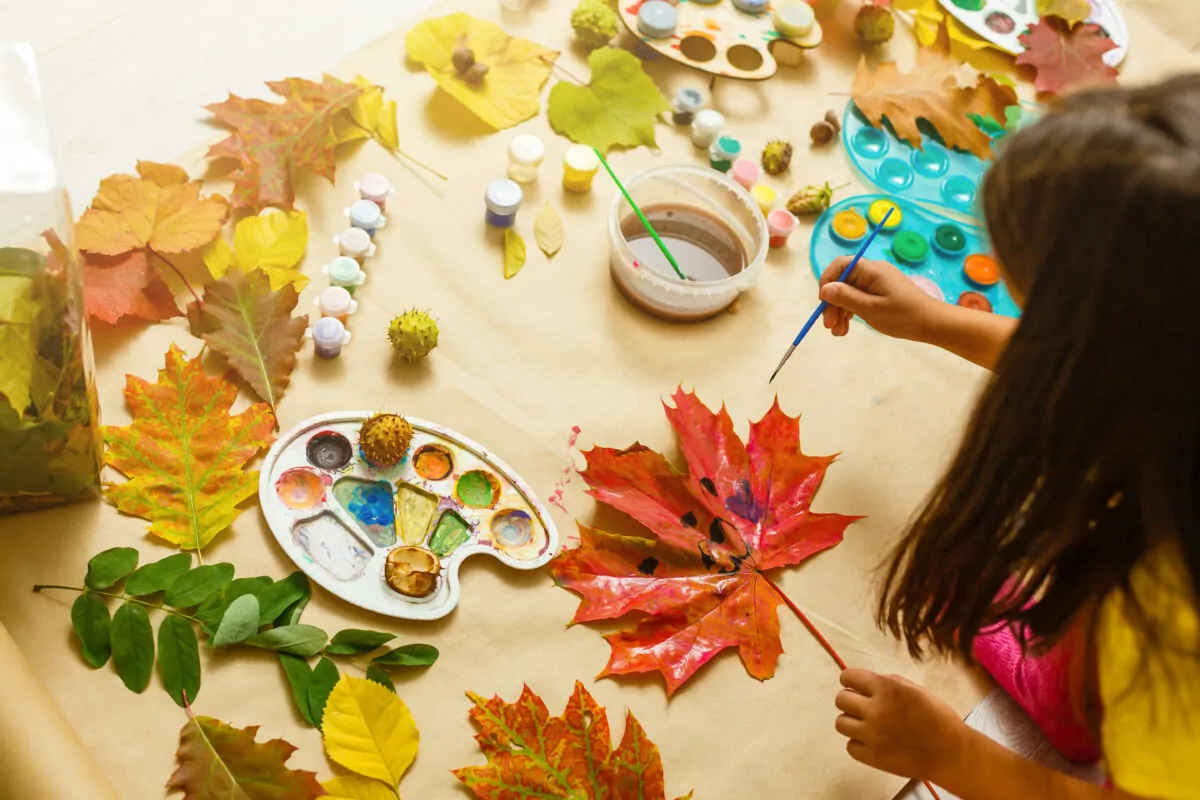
[
  {"x": 981, "y": 270},
  {"x": 338, "y": 517}
]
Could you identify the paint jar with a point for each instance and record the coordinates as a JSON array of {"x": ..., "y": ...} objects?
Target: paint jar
[
  {"x": 751, "y": 6},
  {"x": 975, "y": 301},
  {"x": 910, "y": 247},
  {"x": 706, "y": 127},
  {"x": 981, "y": 270},
  {"x": 376, "y": 188},
  {"x": 579, "y": 168},
  {"x": 656, "y": 19},
  {"x": 687, "y": 103},
  {"x": 355, "y": 243},
  {"x": 502, "y": 198},
  {"x": 711, "y": 226},
  {"x": 878, "y": 211},
  {"x": 329, "y": 336},
  {"x": 525, "y": 155},
  {"x": 794, "y": 19},
  {"x": 336, "y": 302},
  {"x": 722, "y": 153},
  {"x": 780, "y": 224},
  {"x": 516, "y": 6},
  {"x": 848, "y": 226},
  {"x": 746, "y": 172},
  {"x": 345, "y": 272},
  {"x": 765, "y": 196},
  {"x": 365, "y": 215}
]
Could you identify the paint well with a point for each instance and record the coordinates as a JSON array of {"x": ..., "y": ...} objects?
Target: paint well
[
  {"x": 415, "y": 509},
  {"x": 329, "y": 450},
  {"x": 869, "y": 143},
  {"x": 451, "y": 533},
  {"x": 981, "y": 270},
  {"x": 300, "y": 488},
  {"x": 370, "y": 504},
  {"x": 848, "y": 225},
  {"x": 332, "y": 547},
  {"x": 512, "y": 528},
  {"x": 478, "y": 489},
  {"x": 433, "y": 462}
]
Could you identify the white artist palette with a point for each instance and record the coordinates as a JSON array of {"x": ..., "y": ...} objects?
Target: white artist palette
[
  {"x": 1002, "y": 22},
  {"x": 338, "y": 516}
]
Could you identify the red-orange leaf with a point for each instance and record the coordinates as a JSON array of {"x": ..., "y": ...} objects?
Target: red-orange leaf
[
  {"x": 531, "y": 754},
  {"x": 125, "y": 286},
  {"x": 1067, "y": 58},
  {"x": 697, "y": 576}
]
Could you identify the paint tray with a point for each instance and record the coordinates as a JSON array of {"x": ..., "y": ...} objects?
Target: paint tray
[
  {"x": 339, "y": 517},
  {"x": 1001, "y": 22}
]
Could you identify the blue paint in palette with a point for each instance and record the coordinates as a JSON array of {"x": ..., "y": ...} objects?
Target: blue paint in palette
[{"x": 370, "y": 504}]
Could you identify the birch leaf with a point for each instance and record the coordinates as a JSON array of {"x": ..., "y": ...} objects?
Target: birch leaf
[
  {"x": 548, "y": 230},
  {"x": 514, "y": 253},
  {"x": 369, "y": 730}
]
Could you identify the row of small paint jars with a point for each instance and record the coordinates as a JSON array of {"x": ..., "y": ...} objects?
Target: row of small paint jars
[{"x": 503, "y": 197}]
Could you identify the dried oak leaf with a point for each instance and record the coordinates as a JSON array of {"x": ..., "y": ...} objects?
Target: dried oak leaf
[
  {"x": 253, "y": 327},
  {"x": 617, "y": 109},
  {"x": 1067, "y": 58},
  {"x": 216, "y": 761},
  {"x": 698, "y": 575},
  {"x": 531, "y": 754},
  {"x": 125, "y": 286},
  {"x": 271, "y": 141},
  {"x": 184, "y": 453},
  {"x": 517, "y": 68},
  {"x": 932, "y": 91}
]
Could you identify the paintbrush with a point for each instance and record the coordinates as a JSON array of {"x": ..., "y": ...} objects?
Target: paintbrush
[
  {"x": 645, "y": 222},
  {"x": 823, "y": 305}
]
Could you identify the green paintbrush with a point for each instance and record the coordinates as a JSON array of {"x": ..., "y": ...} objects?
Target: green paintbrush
[{"x": 649, "y": 228}]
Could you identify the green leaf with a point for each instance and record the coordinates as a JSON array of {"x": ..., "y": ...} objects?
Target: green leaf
[
  {"x": 353, "y": 641},
  {"x": 275, "y": 599},
  {"x": 410, "y": 655},
  {"x": 239, "y": 623},
  {"x": 380, "y": 675},
  {"x": 299, "y": 675},
  {"x": 291, "y": 614},
  {"x": 300, "y": 640},
  {"x": 212, "y": 611},
  {"x": 109, "y": 567},
  {"x": 157, "y": 575},
  {"x": 617, "y": 109},
  {"x": 133, "y": 646},
  {"x": 193, "y": 588},
  {"x": 89, "y": 618},
  {"x": 324, "y": 677},
  {"x": 179, "y": 659}
]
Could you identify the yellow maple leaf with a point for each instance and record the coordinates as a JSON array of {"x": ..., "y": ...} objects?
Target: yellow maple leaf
[
  {"x": 273, "y": 242},
  {"x": 369, "y": 730},
  {"x": 159, "y": 210},
  {"x": 517, "y": 68},
  {"x": 354, "y": 787}
]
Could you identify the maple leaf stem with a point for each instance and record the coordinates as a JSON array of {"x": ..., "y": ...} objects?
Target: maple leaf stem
[
  {"x": 421, "y": 164},
  {"x": 178, "y": 272},
  {"x": 38, "y": 587},
  {"x": 807, "y": 623}
]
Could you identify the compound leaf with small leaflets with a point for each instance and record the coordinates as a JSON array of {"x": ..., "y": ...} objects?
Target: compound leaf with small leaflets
[
  {"x": 1067, "y": 58},
  {"x": 617, "y": 109}
]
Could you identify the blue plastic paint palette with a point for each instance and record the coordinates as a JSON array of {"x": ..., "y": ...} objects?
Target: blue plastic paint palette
[
  {"x": 937, "y": 175},
  {"x": 1001, "y": 22},
  {"x": 932, "y": 250},
  {"x": 349, "y": 525}
]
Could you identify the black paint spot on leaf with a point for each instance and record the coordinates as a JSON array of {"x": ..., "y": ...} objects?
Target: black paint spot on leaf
[
  {"x": 716, "y": 533},
  {"x": 709, "y": 486},
  {"x": 708, "y": 560},
  {"x": 689, "y": 519},
  {"x": 648, "y": 565}
]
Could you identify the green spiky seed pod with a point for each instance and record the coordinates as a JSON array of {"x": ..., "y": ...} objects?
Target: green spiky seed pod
[
  {"x": 413, "y": 334},
  {"x": 810, "y": 200},
  {"x": 384, "y": 439},
  {"x": 777, "y": 157},
  {"x": 874, "y": 24},
  {"x": 595, "y": 23}
]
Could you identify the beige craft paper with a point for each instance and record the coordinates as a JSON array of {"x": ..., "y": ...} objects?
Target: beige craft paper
[{"x": 520, "y": 362}]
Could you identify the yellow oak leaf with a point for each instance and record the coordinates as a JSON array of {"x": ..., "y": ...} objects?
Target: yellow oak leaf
[
  {"x": 514, "y": 253},
  {"x": 354, "y": 787},
  {"x": 184, "y": 453},
  {"x": 369, "y": 116},
  {"x": 273, "y": 242},
  {"x": 548, "y": 230},
  {"x": 159, "y": 210},
  {"x": 369, "y": 730},
  {"x": 517, "y": 68}
]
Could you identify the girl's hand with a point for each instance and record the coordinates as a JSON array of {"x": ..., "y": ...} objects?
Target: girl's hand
[
  {"x": 879, "y": 293},
  {"x": 898, "y": 727}
]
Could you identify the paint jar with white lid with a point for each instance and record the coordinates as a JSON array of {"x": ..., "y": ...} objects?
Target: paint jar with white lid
[
  {"x": 706, "y": 127},
  {"x": 711, "y": 225},
  {"x": 525, "y": 155},
  {"x": 329, "y": 336},
  {"x": 336, "y": 302},
  {"x": 502, "y": 199},
  {"x": 376, "y": 188},
  {"x": 355, "y": 243},
  {"x": 365, "y": 215}
]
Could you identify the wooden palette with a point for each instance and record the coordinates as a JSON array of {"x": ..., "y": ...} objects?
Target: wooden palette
[{"x": 720, "y": 39}]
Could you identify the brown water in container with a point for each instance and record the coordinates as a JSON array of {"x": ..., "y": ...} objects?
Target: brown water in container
[{"x": 705, "y": 248}]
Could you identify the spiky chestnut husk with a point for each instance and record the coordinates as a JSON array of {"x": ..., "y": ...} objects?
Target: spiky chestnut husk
[
  {"x": 413, "y": 334},
  {"x": 810, "y": 200},
  {"x": 595, "y": 23},
  {"x": 777, "y": 157},
  {"x": 384, "y": 439},
  {"x": 874, "y": 24}
]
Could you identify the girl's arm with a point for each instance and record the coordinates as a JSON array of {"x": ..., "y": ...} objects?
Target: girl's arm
[
  {"x": 898, "y": 727},
  {"x": 892, "y": 304}
]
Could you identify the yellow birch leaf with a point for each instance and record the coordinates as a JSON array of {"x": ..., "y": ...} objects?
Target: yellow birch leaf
[
  {"x": 369, "y": 730},
  {"x": 517, "y": 68},
  {"x": 548, "y": 230},
  {"x": 514, "y": 253},
  {"x": 354, "y": 787}
]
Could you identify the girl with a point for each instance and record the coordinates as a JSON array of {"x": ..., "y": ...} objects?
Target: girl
[{"x": 1062, "y": 548}]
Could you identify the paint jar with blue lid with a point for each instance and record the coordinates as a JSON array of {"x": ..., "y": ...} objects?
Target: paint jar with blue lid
[
  {"x": 751, "y": 6},
  {"x": 687, "y": 103},
  {"x": 344, "y": 271},
  {"x": 365, "y": 215},
  {"x": 329, "y": 336},
  {"x": 657, "y": 19},
  {"x": 503, "y": 199},
  {"x": 723, "y": 153}
]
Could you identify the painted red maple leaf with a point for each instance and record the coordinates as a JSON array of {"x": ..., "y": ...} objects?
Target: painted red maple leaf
[
  {"x": 1067, "y": 57},
  {"x": 697, "y": 579}
]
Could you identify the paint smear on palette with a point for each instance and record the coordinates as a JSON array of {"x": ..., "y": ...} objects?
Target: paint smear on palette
[
  {"x": 331, "y": 546},
  {"x": 300, "y": 488},
  {"x": 556, "y": 499},
  {"x": 371, "y": 505}
]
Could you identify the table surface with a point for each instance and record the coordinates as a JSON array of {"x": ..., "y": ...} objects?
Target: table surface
[{"x": 520, "y": 363}]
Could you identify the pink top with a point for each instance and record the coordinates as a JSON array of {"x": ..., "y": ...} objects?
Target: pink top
[{"x": 746, "y": 172}]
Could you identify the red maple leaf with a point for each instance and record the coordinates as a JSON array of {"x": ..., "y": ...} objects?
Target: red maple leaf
[
  {"x": 126, "y": 286},
  {"x": 697, "y": 577},
  {"x": 1067, "y": 57}
]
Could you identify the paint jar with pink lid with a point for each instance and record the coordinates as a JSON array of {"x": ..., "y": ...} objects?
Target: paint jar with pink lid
[{"x": 711, "y": 225}]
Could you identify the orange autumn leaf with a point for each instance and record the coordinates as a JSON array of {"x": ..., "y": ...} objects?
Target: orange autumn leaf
[
  {"x": 125, "y": 286},
  {"x": 271, "y": 141},
  {"x": 532, "y": 754},
  {"x": 1067, "y": 57},
  {"x": 158, "y": 210},
  {"x": 933, "y": 91},
  {"x": 184, "y": 453}
]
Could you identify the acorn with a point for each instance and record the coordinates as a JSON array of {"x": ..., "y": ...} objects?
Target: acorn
[
  {"x": 810, "y": 200},
  {"x": 776, "y": 157},
  {"x": 832, "y": 118},
  {"x": 874, "y": 24},
  {"x": 463, "y": 58},
  {"x": 822, "y": 132},
  {"x": 476, "y": 73}
]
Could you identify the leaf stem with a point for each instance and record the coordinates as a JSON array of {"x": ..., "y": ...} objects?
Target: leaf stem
[
  {"x": 420, "y": 164},
  {"x": 178, "y": 272},
  {"x": 127, "y": 598},
  {"x": 568, "y": 75}
]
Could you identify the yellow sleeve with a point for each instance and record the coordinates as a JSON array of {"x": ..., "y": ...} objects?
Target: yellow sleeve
[{"x": 1151, "y": 726}]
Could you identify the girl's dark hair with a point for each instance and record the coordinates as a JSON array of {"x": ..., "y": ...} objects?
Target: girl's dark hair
[{"x": 1082, "y": 454}]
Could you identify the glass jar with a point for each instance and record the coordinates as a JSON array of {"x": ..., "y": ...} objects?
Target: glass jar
[{"x": 50, "y": 449}]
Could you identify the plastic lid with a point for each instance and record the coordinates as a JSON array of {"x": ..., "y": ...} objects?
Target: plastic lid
[
  {"x": 726, "y": 148},
  {"x": 708, "y": 120},
  {"x": 335, "y": 300},
  {"x": 688, "y": 100},
  {"x": 764, "y": 195},
  {"x": 365, "y": 214},
  {"x": 503, "y": 197},
  {"x": 751, "y": 6},
  {"x": 355, "y": 242},
  {"x": 949, "y": 238},
  {"x": 879, "y": 209},
  {"x": 781, "y": 222},
  {"x": 794, "y": 18},
  {"x": 981, "y": 270},
  {"x": 746, "y": 172},
  {"x": 657, "y": 19},
  {"x": 910, "y": 246},
  {"x": 582, "y": 158},
  {"x": 374, "y": 186},
  {"x": 343, "y": 269},
  {"x": 329, "y": 332},
  {"x": 527, "y": 150}
]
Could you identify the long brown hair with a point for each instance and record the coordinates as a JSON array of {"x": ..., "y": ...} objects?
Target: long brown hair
[{"x": 1082, "y": 454}]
